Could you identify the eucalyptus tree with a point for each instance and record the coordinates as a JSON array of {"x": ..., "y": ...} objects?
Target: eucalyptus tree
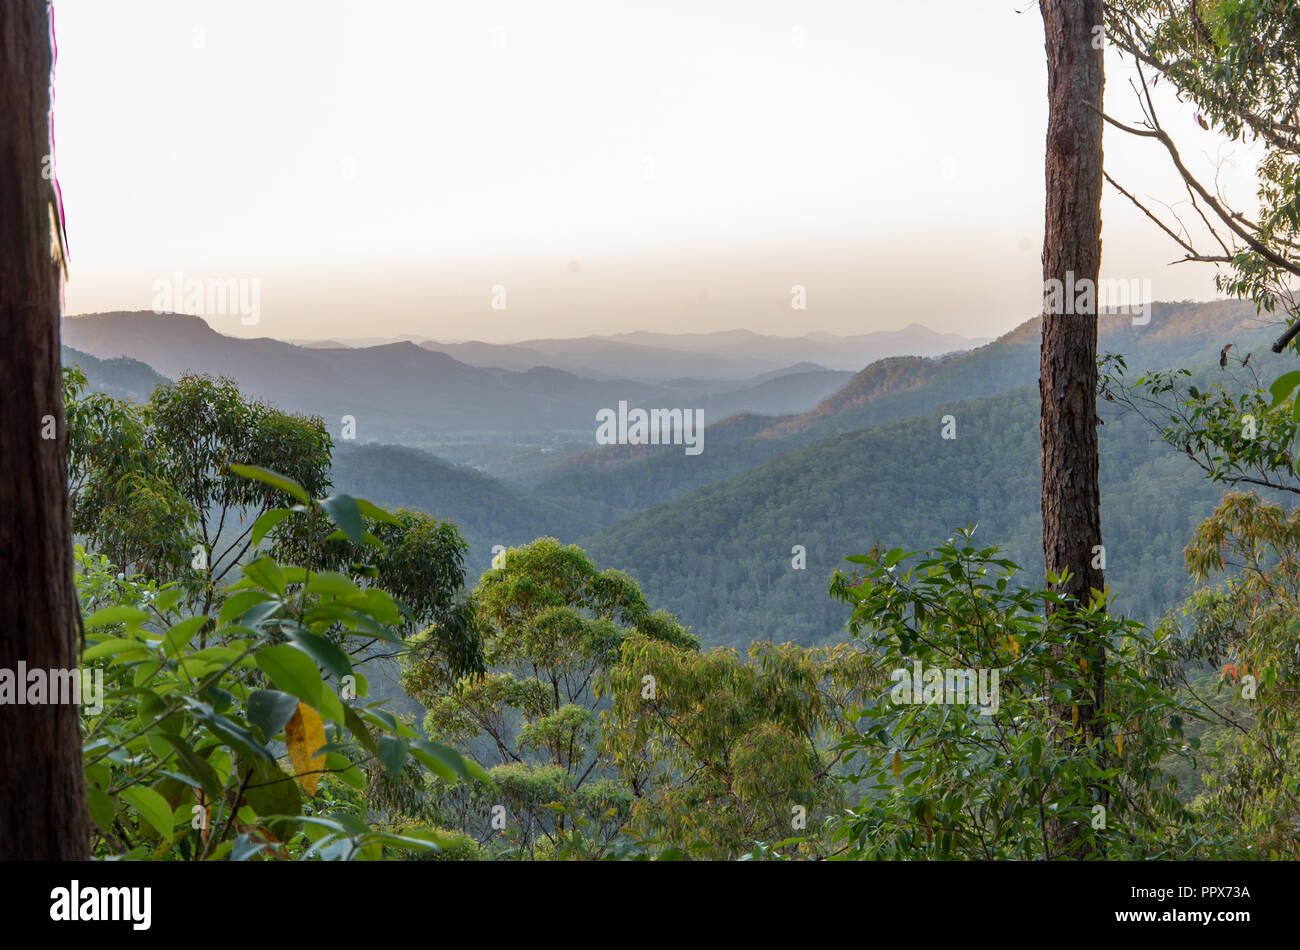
[
  {"x": 552, "y": 626},
  {"x": 42, "y": 790},
  {"x": 1071, "y": 493}
]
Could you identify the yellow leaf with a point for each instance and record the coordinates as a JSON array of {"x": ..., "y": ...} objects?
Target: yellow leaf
[
  {"x": 1075, "y": 716},
  {"x": 1119, "y": 742},
  {"x": 304, "y": 734},
  {"x": 897, "y": 764}
]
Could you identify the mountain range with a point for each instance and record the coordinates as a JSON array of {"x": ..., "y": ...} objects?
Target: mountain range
[
  {"x": 713, "y": 537},
  {"x": 726, "y": 355},
  {"x": 404, "y": 392}
]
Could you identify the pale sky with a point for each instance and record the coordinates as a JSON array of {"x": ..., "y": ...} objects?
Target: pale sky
[{"x": 676, "y": 166}]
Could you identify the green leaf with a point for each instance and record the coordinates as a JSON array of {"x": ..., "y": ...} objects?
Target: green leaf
[
  {"x": 367, "y": 538},
  {"x": 271, "y": 791},
  {"x": 195, "y": 767},
  {"x": 330, "y": 706},
  {"x": 292, "y": 671},
  {"x": 237, "y": 604},
  {"x": 344, "y": 512},
  {"x": 167, "y": 599},
  {"x": 112, "y": 647},
  {"x": 1283, "y": 386},
  {"x": 268, "y": 477},
  {"x": 102, "y": 806},
  {"x": 180, "y": 635},
  {"x": 447, "y": 759},
  {"x": 328, "y": 582},
  {"x": 367, "y": 626},
  {"x": 375, "y": 513},
  {"x": 433, "y": 763},
  {"x": 267, "y": 574},
  {"x": 324, "y": 652},
  {"x": 356, "y": 725},
  {"x": 231, "y": 733},
  {"x": 118, "y": 613},
  {"x": 270, "y": 709},
  {"x": 347, "y": 771},
  {"x": 266, "y": 522},
  {"x": 152, "y": 807},
  {"x": 392, "y": 753}
]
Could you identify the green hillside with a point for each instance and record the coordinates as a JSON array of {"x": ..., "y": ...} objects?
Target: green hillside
[
  {"x": 710, "y": 537},
  {"x": 120, "y": 377},
  {"x": 488, "y": 512},
  {"x": 727, "y": 570}
]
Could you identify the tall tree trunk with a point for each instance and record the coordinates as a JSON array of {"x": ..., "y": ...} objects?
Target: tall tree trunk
[
  {"x": 42, "y": 793},
  {"x": 1068, "y": 372}
]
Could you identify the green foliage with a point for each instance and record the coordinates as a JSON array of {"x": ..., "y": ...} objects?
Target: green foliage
[
  {"x": 1238, "y": 636},
  {"x": 590, "y": 726},
  {"x": 1233, "y": 430},
  {"x": 1249, "y": 624},
  {"x": 1237, "y": 61},
  {"x": 722, "y": 753},
  {"x": 947, "y": 779},
  {"x": 151, "y": 486},
  {"x": 197, "y": 428},
  {"x": 418, "y": 559},
  {"x": 551, "y": 626},
  {"x": 121, "y": 500},
  {"x": 181, "y": 755}
]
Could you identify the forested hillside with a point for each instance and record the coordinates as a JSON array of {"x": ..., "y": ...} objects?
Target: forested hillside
[
  {"x": 120, "y": 377},
  {"x": 728, "y": 571},
  {"x": 487, "y": 511}
]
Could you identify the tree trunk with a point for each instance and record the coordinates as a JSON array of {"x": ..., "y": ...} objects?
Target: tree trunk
[
  {"x": 1068, "y": 372},
  {"x": 42, "y": 792}
]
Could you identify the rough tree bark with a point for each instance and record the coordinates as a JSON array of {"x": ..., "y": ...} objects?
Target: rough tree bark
[
  {"x": 42, "y": 794},
  {"x": 1068, "y": 372}
]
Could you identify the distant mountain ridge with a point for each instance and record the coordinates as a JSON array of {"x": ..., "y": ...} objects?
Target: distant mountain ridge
[
  {"x": 402, "y": 392},
  {"x": 898, "y": 388},
  {"x": 728, "y": 355}
]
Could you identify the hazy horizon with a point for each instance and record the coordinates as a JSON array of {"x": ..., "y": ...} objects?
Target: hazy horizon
[
  {"x": 610, "y": 171},
  {"x": 224, "y": 324}
]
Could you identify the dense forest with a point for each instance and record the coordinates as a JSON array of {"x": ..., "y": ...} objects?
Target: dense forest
[
  {"x": 1035, "y": 601},
  {"x": 525, "y": 677}
]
